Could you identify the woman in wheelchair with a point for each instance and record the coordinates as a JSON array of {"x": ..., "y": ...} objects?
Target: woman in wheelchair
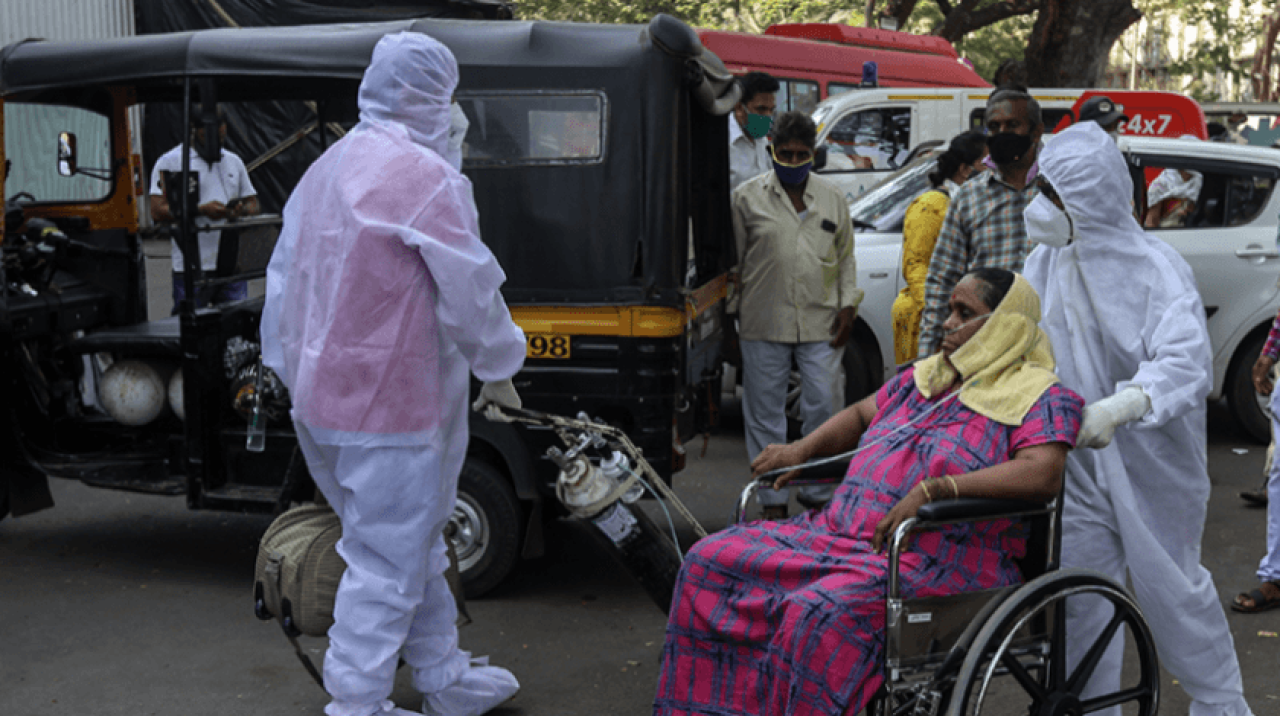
[{"x": 786, "y": 617}]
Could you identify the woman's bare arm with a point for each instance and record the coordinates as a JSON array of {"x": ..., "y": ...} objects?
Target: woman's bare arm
[
  {"x": 1033, "y": 474},
  {"x": 840, "y": 433}
]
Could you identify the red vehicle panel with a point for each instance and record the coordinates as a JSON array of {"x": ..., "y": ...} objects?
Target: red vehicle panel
[
  {"x": 831, "y": 56},
  {"x": 1151, "y": 114}
]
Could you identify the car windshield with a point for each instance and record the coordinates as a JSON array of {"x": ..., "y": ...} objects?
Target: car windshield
[{"x": 884, "y": 205}]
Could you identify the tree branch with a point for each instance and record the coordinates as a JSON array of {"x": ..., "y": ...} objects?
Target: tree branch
[
  {"x": 900, "y": 10},
  {"x": 963, "y": 20},
  {"x": 1260, "y": 75}
]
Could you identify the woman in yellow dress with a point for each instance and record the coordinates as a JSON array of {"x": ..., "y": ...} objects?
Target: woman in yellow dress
[{"x": 921, "y": 225}]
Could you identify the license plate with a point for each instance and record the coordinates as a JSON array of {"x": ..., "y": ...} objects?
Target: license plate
[{"x": 546, "y": 345}]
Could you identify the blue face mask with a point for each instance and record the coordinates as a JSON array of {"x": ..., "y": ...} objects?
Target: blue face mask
[{"x": 791, "y": 173}]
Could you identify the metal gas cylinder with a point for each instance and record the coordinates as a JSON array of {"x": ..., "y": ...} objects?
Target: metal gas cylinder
[
  {"x": 581, "y": 486},
  {"x": 175, "y": 395},
  {"x": 133, "y": 392},
  {"x": 617, "y": 468}
]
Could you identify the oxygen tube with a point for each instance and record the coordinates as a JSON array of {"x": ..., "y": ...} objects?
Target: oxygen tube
[{"x": 846, "y": 456}]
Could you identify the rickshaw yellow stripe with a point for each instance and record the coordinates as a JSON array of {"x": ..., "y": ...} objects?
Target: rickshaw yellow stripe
[{"x": 628, "y": 321}]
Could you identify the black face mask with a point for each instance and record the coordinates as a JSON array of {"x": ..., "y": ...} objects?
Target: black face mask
[{"x": 1007, "y": 147}]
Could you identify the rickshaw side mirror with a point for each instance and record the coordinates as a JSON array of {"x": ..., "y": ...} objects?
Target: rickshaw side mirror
[
  {"x": 66, "y": 154},
  {"x": 820, "y": 158}
]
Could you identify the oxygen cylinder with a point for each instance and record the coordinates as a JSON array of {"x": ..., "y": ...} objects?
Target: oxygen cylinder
[{"x": 641, "y": 546}]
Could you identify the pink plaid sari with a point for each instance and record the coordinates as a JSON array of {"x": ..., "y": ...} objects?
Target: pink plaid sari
[{"x": 786, "y": 617}]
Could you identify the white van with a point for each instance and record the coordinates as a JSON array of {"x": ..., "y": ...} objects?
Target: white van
[{"x": 870, "y": 133}]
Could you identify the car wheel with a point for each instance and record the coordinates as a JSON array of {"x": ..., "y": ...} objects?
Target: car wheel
[
  {"x": 1249, "y": 408},
  {"x": 484, "y": 527}
]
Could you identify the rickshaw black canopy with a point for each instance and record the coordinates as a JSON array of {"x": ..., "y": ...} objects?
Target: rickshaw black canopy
[
  {"x": 293, "y": 62},
  {"x": 607, "y": 231}
]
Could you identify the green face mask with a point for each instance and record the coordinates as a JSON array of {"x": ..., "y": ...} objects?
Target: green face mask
[{"x": 758, "y": 125}]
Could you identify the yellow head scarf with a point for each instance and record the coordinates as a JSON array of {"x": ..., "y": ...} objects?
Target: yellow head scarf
[{"x": 1006, "y": 366}]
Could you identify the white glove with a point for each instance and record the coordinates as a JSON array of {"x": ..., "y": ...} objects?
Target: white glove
[
  {"x": 495, "y": 395},
  {"x": 1101, "y": 418}
]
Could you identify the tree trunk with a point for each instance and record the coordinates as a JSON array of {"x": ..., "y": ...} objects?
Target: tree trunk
[
  {"x": 1072, "y": 38},
  {"x": 899, "y": 10},
  {"x": 1260, "y": 76}
]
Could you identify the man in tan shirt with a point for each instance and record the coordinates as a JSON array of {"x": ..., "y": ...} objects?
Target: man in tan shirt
[{"x": 798, "y": 294}]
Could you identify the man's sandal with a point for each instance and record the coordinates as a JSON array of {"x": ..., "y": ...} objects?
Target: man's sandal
[{"x": 1259, "y": 601}]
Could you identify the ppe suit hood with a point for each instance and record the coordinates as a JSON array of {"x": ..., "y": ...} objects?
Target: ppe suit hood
[
  {"x": 410, "y": 82},
  {"x": 1093, "y": 183},
  {"x": 1120, "y": 270}
]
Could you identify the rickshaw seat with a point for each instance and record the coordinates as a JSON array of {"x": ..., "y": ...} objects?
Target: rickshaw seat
[{"x": 162, "y": 337}]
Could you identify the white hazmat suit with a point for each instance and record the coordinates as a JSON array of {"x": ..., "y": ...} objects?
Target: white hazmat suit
[
  {"x": 1123, "y": 313},
  {"x": 380, "y": 297}
]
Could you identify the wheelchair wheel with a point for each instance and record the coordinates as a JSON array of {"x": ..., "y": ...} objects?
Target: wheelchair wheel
[{"x": 1025, "y": 640}]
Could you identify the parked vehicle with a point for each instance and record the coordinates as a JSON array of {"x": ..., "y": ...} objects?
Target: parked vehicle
[
  {"x": 815, "y": 61},
  {"x": 1261, "y": 126},
  {"x": 1229, "y": 240},
  {"x": 603, "y": 192},
  {"x": 870, "y": 133}
]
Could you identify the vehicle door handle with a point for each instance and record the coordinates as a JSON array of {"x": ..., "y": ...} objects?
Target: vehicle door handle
[
  {"x": 879, "y": 274},
  {"x": 1257, "y": 252}
]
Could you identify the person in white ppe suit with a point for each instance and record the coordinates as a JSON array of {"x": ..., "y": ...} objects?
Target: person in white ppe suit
[
  {"x": 1129, "y": 335},
  {"x": 380, "y": 297}
]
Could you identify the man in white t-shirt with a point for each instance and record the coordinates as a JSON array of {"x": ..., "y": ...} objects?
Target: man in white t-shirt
[{"x": 225, "y": 193}]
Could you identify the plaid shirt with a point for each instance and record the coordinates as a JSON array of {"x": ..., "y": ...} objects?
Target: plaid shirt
[
  {"x": 983, "y": 229},
  {"x": 1272, "y": 347}
]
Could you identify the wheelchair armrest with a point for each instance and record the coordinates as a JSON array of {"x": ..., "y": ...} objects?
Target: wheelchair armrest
[{"x": 970, "y": 508}]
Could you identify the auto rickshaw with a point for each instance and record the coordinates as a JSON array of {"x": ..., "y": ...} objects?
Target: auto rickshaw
[{"x": 598, "y": 156}]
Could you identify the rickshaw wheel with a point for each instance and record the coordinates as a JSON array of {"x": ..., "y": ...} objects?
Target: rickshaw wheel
[
  {"x": 1040, "y": 684},
  {"x": 484, "y": 528}
]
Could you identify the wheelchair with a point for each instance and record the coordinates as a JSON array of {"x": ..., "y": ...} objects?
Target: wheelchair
[{"x": 942, "y": 655}]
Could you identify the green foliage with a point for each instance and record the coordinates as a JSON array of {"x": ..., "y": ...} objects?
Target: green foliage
[
  {"x": 986, "y": 47},
  {"x": 755, "y": 16},
  {"x": 746, "y": 15},
  {"x": 612, "y": 11},
  {"x": 1226, "y": 34}
]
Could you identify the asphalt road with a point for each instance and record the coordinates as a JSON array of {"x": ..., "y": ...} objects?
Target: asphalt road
[{"x": 116, "y": 604}]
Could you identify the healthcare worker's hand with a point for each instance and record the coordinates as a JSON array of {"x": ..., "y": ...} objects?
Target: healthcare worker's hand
[
  {"x": 495, "y": 395},
  {"x": 1262, "y": 374},
  {"x": 1101, "y": 418}
]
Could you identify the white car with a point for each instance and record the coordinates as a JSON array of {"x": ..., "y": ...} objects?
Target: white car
[{"x": 1229, "y": 239}]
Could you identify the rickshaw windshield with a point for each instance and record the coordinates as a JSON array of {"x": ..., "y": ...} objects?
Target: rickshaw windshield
[
  {"x": 523, "y": 128},
  {"x": 31, "y": 146}
]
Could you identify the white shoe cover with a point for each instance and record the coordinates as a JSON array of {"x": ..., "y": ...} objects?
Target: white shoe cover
[
  {"x": 382, "y": 708},
  {"x": 479, "y": 690}
]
